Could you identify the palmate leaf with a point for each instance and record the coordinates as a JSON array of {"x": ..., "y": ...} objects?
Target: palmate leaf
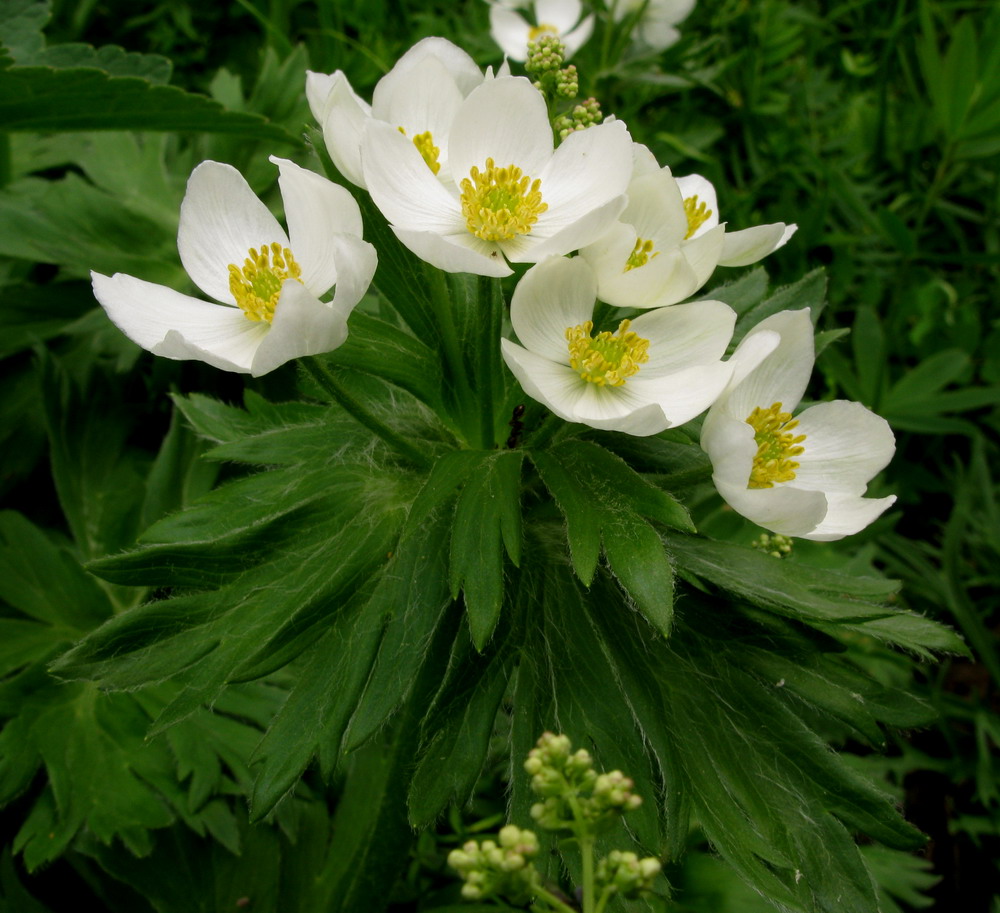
[
  {"x": 729, "y": 745},
  {"x": 102, "y": 773}
]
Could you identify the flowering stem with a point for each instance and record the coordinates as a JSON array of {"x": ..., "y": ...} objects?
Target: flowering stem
[
  {"x": 488, "y": 366},
  {"x": 552, "y": 900},
  {"x": 328, "y": 381},
  {"x": 603, "y": 899},
  {"x": 445, "y": 313}
]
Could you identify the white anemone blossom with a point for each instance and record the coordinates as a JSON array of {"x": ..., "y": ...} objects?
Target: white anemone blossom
[
  {"x": 561, "y": 18},
  {"x": 418, "y": 96},
  {"x": 655, "y": 27},
  {"x": 269, "y": 283},
  {"x": 805, "y": 476},
  {"x": 657, "y": 371},
  {"x": 669, "y": 240},
  {"x": 514, "y": 196}
]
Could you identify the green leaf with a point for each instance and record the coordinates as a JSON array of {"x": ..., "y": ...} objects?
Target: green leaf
[
  {"x": 487, "y": 512},
  {"x": 807, "y": 292},
  {"x": 458, "y": 728},
  {"x": 39, "y": 98},
  {"x": 636, "y": 557}
]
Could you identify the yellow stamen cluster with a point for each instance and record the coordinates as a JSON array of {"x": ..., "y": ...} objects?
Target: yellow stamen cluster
[
  {"x": 500, "y": 203},
  {"x": 543, "y": 28},
  {"x": 428, "y": 151},
  {"x": 776, "y": 445},
  {"x": 606, "y": 359},
  {"x": 641, "y": 254},
  {"x": 697, "y": 213},
  {"x": 257, "y": 285}
]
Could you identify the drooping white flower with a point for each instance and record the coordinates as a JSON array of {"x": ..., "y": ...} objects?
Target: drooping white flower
[
  {"x": 805, "y": 476},
  {"x": 514, "y": 197},
  {"x": 419, "y": 97},
  {"x": 269, "y": 282},
  {"x": 655, "y": 27},
  {"x": 561, "y": 18},
  {"x": 657, "y": 371},
  {"x": 668, "y": 240}
]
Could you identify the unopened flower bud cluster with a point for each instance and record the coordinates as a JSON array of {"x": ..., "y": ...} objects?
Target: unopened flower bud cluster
[
  {"x": 626, "y": 874},
  {"x": 498, "y": 867},
  {"x": 573, "y": 793},
  {"x": 586, "y": 114},
  {"x": 773, "y": 544}
]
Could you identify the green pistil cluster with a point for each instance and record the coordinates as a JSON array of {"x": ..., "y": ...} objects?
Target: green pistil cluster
[
  {"x": 775, "y": 545},
  {"x": 586, "y": 114}
]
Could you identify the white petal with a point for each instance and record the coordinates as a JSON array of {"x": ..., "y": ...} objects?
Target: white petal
[
  {"x": 656, "y": 209},
  {"x": 643, "y": 161},
  {"x": 847, "y": 515},
  {"x": 356, "y": 261},
  {"x": 422, "y": 97},
  {"x": 845, "y": 446},
  {"x": 694, "y": 185},
  {"x": 344, "y": 127},
  {"x": 552, "y": 297},
  {"x": 663, "y": 280},
  {"x": 302, "y": 325},
  {"x": 505, "y": 120},
  {"x": 742, "y": 248},
  {"x": 543, "y": 380},
  {"x": 686, "y": 335},
  {"x": 702, "y": 252},
  {"x": 783, "y": 375},
  {"x": 315, "y": 209},
  {"x": 318, "y": 88},
  {"x": 590, "y": 168},
  {"x": 583, "y": 231},
  {"x": 621, "y": 408},
  {"x": 403, "y": 187},
  {"x": 459, "y": 64},
  {"x": 683, "y": 394},
  {"x": 562, "y": 14},
  {"x": 455, "y": 253},
  {"x": 221, "y": 219},
  {"x": 177, "y": 326},
  {"x": 510, "y": 30}
]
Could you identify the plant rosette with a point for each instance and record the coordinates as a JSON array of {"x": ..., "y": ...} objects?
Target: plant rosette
[
  {"x": 802, "y": 477},
  {"x": 419, "y": 97},
  {"x": 268, "y": 283},
  {"x": 516, "y": 197},
  {"x": 652, "y": 373},
  {"x": 561, "y": 18}
]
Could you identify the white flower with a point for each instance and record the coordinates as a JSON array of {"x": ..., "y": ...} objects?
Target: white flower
[
  {"x": 269, "y": 283},
  {"x": 655, "y": 27},
  {"x": 739, "y": 248},
  {"x": 513, "y": 197},
  {"x": 657, "y": 371},
  {"x": 804, "y": 477},
  {"x": 561, "y": 18},
  {"x": 669, "y": 240},
  {"x": 418, "y": 96}
]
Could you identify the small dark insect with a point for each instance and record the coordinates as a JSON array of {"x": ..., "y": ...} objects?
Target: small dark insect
[{"x": 517, "y": 427}]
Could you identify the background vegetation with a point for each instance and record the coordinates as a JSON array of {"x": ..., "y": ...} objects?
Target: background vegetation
[{"x": 873, "y": 125}]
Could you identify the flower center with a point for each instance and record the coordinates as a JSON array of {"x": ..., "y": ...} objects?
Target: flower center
[
  {"x": 606, "y": 359},
  {"x": 776, "y": 445},
  {"x": 257, "y": 285},
  {"x": 500, "y": 203},
  {"x": 428, "y": 151},
  {"x": 697, "y": 213},
  {"x": 543, "y": 28},
  {"x": 641, "y": 254}
]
